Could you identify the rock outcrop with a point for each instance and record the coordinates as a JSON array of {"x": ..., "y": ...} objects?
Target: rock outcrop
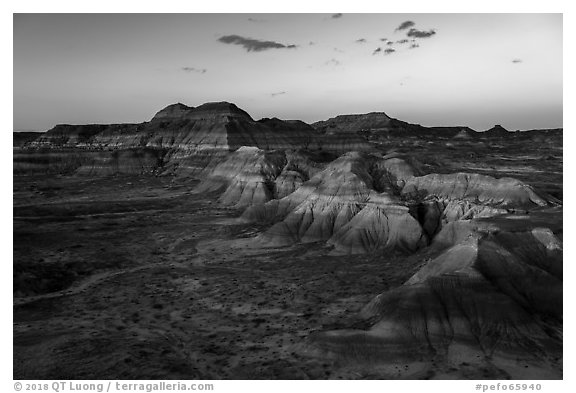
[
  {"x": 383, "y": 224},
  {"x": 464, "y": 135},
  {"x": 491, "y": 296},
  {"x": 339, "y": 205},
  {"x": 287, "y": 182},
  {"x": 23, "y": 138},
  {"x": 445, "y": 198},
  {"x": 478, "y": 189},
  {"x": 172, "y": 112},
  {"x": 252, "y": 176},
  {"x": 246, "y": 177}
]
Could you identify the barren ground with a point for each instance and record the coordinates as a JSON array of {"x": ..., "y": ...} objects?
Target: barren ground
[{"x": 137, "y": 278}]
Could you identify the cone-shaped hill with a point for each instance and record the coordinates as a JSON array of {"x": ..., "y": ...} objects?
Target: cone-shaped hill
[{"x": 496, "y": 131}]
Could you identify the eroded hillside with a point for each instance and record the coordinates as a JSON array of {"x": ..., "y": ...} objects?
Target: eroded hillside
[{"x": 205, "y": 244}]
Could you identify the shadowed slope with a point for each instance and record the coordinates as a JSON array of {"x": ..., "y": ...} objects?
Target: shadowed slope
[{"x": 491, "y": 296}]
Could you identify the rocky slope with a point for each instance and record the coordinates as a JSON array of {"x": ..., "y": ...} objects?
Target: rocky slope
[
  {"x": 360, "y": 203},
  {"x": 191, "y": 139},
  {"x": 494, "y": 298},
  {"x": 340, "y": 205},
  {"x": 21, "y": 139}
]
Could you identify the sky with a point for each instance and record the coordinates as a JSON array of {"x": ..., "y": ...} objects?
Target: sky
[{"x": 473, "y": 70}]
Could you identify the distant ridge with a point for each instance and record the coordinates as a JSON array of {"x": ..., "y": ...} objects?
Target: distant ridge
[{"x": 225, "y": 125}]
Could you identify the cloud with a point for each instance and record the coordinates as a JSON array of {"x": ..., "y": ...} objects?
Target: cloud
[
  {"x": 383, "y": 39},
  {"x": 405, "y": 25},
  {"x": 277, "y": 94},
  {"x": 336, "y": 16},
  {"x": 377, "y": 50},
  {"x": 311, "y": 43},
  {"x": 193, "y": 69},
  {"x": 402, "y": 41},
  {"x": 338, "y": 50},
  {"x": 420, "y": 33},
  {"x": 256, "y": 20},
  {"x": 361, "y": 41},
  {"x": 333, "y": 62},
  {"x": 389, "y": 51},
  {"x": 390, "y": 43},
  {"x": 516, "y": 61},
  {"x": 413, "y": 46},
  {"x": 253, "y": 45}
]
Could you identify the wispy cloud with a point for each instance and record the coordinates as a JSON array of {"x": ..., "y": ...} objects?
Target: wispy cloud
[
  {"x": 383, "y": 39},
  {"x": 253, "y": 45},
  {"x": 516, "y": 61},
  {"x": 377, "y": 50},
  {"x": 402, "y": 41},
  {"x": 256, "y": 20},
  {"x": 277, "y": 94},
  {"x": 336, "y": 16},
  {"x": 405, "y": 25},
  {"x": 389, "y": 51},
  {"x": 420, "y": 33},
  {"x": 333, "y": 62},
  {"x": 194, "y": 69},
  {"x": 361, "y": 41},
  {"x": 414, "y": 46}
]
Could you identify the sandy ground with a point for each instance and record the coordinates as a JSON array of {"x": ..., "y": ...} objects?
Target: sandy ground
[{"x": 128, "y": 278}]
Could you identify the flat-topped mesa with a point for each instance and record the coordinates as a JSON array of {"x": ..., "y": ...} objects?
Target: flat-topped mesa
[
  {"x": 222, "y": 126},
  {"x": 209, "y": 110},
  {"x": 217, "y": 109},
  {"x": 353, "y": 123},
  {"x": 375, "y": 125}
]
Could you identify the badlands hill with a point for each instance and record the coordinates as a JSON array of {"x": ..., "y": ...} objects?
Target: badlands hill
[
  {"x": 190, "y": 140},
  {"x": 186, "y": 140},
  {"x": 22, "y": 138},
  {"x": 493, "y": 291},
  {"x": 487, "y": 240}
]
